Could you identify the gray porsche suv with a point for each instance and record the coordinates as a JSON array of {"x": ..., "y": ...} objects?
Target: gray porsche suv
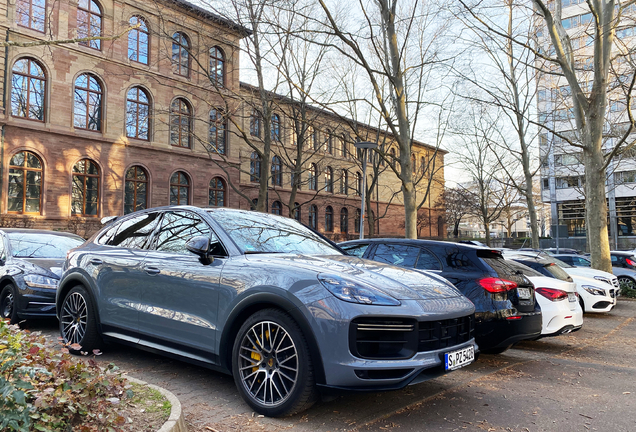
[{"x": 263, "y": 298}]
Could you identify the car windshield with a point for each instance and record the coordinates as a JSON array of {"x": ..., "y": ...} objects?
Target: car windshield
[
  {"x": 558, "y": 262},
  {"x": 41, "y": 245},
  {"x": 263, "y": 233}
]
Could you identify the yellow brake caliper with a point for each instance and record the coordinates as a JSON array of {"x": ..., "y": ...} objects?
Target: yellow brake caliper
[{"x": 256, "y": 356}]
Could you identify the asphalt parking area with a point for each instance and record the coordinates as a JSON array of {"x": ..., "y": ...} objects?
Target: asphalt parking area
[{"x": 578, "y": 382}]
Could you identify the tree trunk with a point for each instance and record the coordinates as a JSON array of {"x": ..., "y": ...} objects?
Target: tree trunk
[
  {"x": 596, "y": 209},
  {"x": 487, "y": 230},
  {"x": 456, "y": 229}
]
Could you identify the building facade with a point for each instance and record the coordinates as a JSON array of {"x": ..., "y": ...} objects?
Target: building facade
[
  {"x": 562, "y": 170},
  {"x": 108, "y": 126}
]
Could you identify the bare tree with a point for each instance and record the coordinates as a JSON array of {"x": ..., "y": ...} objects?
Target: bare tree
[{"x": 457, "y": 205}]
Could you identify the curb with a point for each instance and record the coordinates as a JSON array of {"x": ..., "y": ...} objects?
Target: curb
[{"x": 175, "y": 422}]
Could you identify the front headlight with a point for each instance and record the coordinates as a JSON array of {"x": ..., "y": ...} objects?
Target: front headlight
[
  {"x": 38, "y": 281},
  {"x": 355, "y": 292},
  {"x": 603, "y": 279},
  {"x": 593, "y": 290}
]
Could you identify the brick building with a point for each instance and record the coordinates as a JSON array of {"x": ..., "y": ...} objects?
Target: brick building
[{"x": 105, "y": 127}]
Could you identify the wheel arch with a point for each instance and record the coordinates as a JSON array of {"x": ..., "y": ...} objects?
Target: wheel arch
[
  {"x": 68, "y": 283},
  {"x": 255, "y": 303}
]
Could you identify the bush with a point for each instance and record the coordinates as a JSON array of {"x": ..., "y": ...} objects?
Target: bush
[
  {"x": 628, "y": 292},
  {"x": 44, "y": 388}
]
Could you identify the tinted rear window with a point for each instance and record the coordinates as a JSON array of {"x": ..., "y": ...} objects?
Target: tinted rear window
[
  {"x": 527, "y": 271},
  {"x": 558, "y": 272},
  {"x": 501, "y": 266}
]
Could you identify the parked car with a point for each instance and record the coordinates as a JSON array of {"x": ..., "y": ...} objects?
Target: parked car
[
  {"x": 505, "y": 308},
  {"x": 30, "y": 269},
  {"x": 622, "y": 266},
  {"x": 264, "y": 298},
  {"x": 554, "y": 251},
  {"x": 596, "y": 294},
  {"x": 559, "y": 301}
]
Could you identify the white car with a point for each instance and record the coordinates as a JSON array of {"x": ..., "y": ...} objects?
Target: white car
[
  {"x": 596, "y": 294},
  {"x": 559, "y": 301}
]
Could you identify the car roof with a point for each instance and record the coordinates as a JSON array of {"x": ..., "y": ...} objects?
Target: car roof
[
  {"x": 536, "y": 259},
  {"x": 568, "y": 255},
  {"x": 38, "y": 231},
  {"x": 420, "y": 242},
  {"x": 623, "y": 253}
]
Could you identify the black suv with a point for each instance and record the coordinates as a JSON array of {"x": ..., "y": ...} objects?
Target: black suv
[{"x": 506, "y": 311}]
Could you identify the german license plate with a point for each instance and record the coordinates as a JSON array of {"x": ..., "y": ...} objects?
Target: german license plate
[
  {"x": 571, "y": 297},
  {"x": 460, "y": 358},
  {"x": 524, "y": 293}
]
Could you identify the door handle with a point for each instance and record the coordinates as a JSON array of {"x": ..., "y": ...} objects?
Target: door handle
[
  {"x": 152, "y": 270},
  {"x": 96, "y": 261}
]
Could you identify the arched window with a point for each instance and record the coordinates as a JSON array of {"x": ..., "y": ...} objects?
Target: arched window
[
  {"x": 392, "y": 154},
  {"x": 218, "y": 129},
  {"x": 297, "y": 213},
  {"x": 358, "y": 183},
  {"x": 413, "y": 164},
  {"x": 255, "y": 124},
  {"x": 25, "y": 183},
  {"x": 28, "y": 90},
  {"x": 217, "y": 66},
  {"x": 277, "y": 208},
  {"x": 180, "y": 123},
  {"x": 315, "y": 139},
  {"x": 275, "y": 126},
  {"x": 255, "y": 168},
  {"x": 31, "y": 14},
  {"x": 89, "y": 23},
  {"x": 138, "y": 41},
  {"x": 136, "y": 190},
  {"x": 343, "y": 146},
  {"x": 313, "y": 177},
  {"x": 85, "y": 195},
  {"x": 313, "y": 216},
  {"x": 138, "y": 114},
  {"x": 344, "y": 182},
  {"x": 423, "y": 164},
  {"x": 217, "y": 192},
  {"x": 87, "y": 112},
  {"x": 329, "y": 142},
  {"x": 329, "y": 179},
  {"x": 277, "y": 171},
  {"x": 357, "y": 221},
  {"x": 329, "y": 219},
  {"x": 344, "y": 220},
  {"x": 179, "y": 189},
  {"x": 180, "y": 54}
]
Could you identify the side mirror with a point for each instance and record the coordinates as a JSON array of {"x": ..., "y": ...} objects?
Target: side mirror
[{"x": 199, "y": 245}]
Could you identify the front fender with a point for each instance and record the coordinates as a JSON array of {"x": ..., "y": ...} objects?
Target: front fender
[{"x": 71, "y": 278}]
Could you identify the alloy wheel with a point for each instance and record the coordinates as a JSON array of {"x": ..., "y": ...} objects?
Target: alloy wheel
[
  {"x": 7, "y": 305},
  {"x": 268, "y": 363},
  {"x": 626, "y": 283},
  {"x": 74, "y": 318}
]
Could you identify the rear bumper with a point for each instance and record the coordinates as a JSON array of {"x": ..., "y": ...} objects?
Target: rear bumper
[{"x": 499, "y": 333}]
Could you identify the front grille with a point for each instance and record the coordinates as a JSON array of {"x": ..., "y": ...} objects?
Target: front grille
[
  {"x": 613, "y": 293},
  {"x": 615, "y": 282},
  {"x": 435, "y": 335},
  {"x": 396, "y": 338}
]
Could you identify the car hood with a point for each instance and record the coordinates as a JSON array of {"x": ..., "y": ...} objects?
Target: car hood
[
  {"x": 588, "y": 272},
  {"x": 546, "y": 282},
  {"x": 401, "y": 283},
  {"x": 50, "y": 267}
]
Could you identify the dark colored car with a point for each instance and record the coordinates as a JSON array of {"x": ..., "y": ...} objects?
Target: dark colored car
[
  {"x": 264, "y": 298},
  {"x": 506, "y": 311},
  {"x": 30, "y": 269}
]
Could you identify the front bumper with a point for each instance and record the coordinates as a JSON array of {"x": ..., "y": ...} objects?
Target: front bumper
[
  {"x": 331, "y": 320},
  {"x": 35, "y": 302}
]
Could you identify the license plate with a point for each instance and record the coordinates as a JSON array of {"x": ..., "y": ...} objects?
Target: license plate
[
  {"x": 524, "y": 293},
  {"x": 460, "y": 358},
  {"x": 571, "y": 297}
]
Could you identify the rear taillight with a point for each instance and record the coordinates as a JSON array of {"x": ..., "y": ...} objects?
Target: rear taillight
[
  {"x": 630, "y": 262},
  {"x": 496, "y": 285},
  {"x": 552, "y": 294}
]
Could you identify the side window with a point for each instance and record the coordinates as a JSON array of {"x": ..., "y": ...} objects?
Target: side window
[
  {"x": 399, "y": 255},
  {"x": 582, "y": 262},
  {"x": 3, "y": 255},
  {"x": 614, "y": 259},
  {"x": 428, "y": 261},
  {"x": 460, "y": 261},
  {"x": 179, "y": 227},
  {"x": 356, "y": 250},
  {"x": 133, "y": 233}
]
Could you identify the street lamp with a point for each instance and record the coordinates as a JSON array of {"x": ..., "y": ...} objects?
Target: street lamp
[{"x": 364, "y": 146}]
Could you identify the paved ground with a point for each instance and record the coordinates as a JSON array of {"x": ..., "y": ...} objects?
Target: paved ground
[{"x": 579, "y": 382}]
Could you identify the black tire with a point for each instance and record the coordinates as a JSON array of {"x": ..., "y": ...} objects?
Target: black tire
[
  {"x": 78, "y": 321},
  {"x": 282, "y": 361},
  {"x": 8, "y": 307},
  {"x": 582, "y": 304},
  {"x": 498, "y": 350},
  {"x": 626, "y": 284}
]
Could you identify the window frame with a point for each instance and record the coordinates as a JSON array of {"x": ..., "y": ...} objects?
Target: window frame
[
  {"x": 86, "y": 176},
  {"x": 135, "y": 181},
  {"x": 179, "y": 64},
  {"x": 329, "y": 219},
  {"x": 179, "y": 112},
  {"x": 90, "y": 14},
  {"x": 24, "y": 168},
  {"x": 217, "y": 59},
  {"x": 277, "y": 206},
  {"x": 277, "y": 171},
  {"x": 344, "y": 217},
  {"x": 220, "y": 129},
  {"x": 312, "y": 220},
  {"x": 139, "y": 31},
  {"x": 29, "y": 77},
  {"x": 139, "y": 103},
  {"x": 30, "y": 15},
  {"x": 216, "y": 190},
  {"x": 88, "y": 91},
  {"x": 255, "y": 168},
  {"x": 180, "y": 186},
  {"x": 329, "y": 179}
]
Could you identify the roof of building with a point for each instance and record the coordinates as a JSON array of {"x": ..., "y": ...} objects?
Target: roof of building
[
  {"x": 332, "y": 114},
  {"x": 204, "y": 13}
]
